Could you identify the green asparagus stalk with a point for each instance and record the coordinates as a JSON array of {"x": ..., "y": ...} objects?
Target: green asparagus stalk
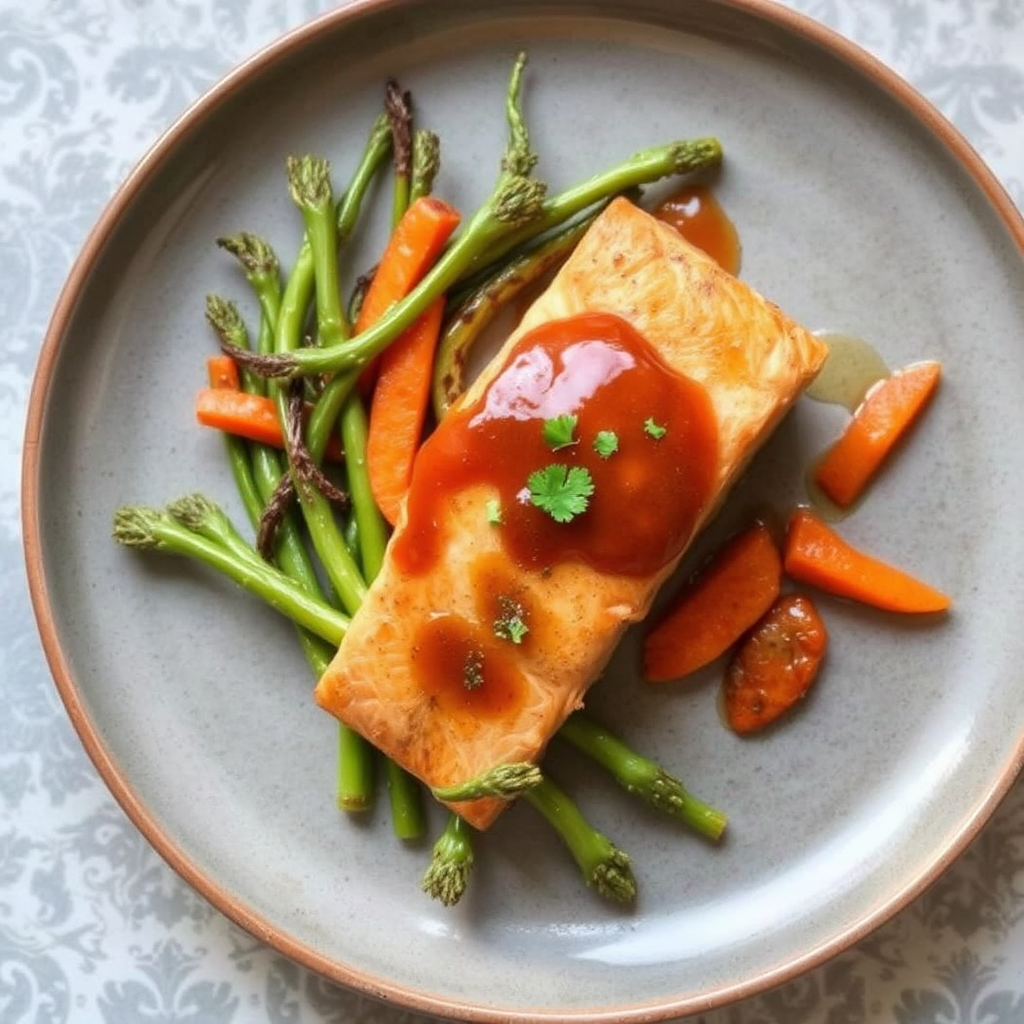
[
  {"x": 641, "y": 776},
  {"x": 604, "y": 866},
  {"x": 151, "y": 529},
  {"x": 447, "y": 876},
  {"x": 426, "y": 162},
  {"x": 503, "y": 782}
]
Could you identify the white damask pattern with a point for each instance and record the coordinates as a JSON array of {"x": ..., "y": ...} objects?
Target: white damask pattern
[{"x": 93, "y": 925}]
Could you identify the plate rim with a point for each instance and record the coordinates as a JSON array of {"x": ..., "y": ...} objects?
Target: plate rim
[{"x": 792, "y": 22}]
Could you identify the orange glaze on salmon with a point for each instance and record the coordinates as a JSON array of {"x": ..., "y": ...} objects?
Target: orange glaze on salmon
[{"x": 638, "y": 325}]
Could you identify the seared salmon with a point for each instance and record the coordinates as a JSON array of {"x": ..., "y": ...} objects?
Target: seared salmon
[{"x": 556, "y": 497}]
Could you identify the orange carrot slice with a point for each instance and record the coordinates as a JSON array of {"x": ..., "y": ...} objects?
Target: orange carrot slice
[
  {"x": 884, "y": 416},
  {"x": 775, "y": 665},
  {"x": 413, "y": 248},
  {"x": 721, "y": 603},
  {"x": 222, "y": 372},
  {"x": 816, "y": 554},
  {"x": 398, "y": 409},
  {"x": 244, "y": 415}
]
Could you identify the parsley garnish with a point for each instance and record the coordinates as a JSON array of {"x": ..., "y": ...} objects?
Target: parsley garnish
[
  {"x": 558, "y": 432},
  {"x": 652, "y": 429},
  {"x": 494, "y": 512},
  {"x": 561, "y": 491},
  {"x": 473, "y": 670},
  {"x": 511, "y": 624},
  {"x": 606, "y": 443}
]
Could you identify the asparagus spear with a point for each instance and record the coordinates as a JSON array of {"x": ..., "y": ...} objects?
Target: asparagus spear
[
  {"x": 641, "y": 776},
  {"x": 156, "y": 530},
  {"x": 605, "y": 867},
  {"x": 447, "y": 876}
]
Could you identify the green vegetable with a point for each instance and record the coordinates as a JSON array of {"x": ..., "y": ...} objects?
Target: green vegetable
[
  {"x": 511, "y": 624},
  {"x": 652, "y": 429},
  {"x": 560, "y": 432},
  {"x": 606, "y": 443},
  {"x": 641, "y": 776},
  {"x": 503, "y": 781},
  {"x": 561, "y": 491},
  {"x": 604, "y": 866},
  {"x": 451, "y": 863},
  {"x": 211, "y": 538},
  {"x": 493, "y": 512}
]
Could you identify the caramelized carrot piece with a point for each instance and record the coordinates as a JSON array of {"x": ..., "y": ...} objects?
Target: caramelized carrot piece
[
  {"x": 403, "y": 372},
  {"x": 222, "y": 372},
  {"x": 251, "y": 416},
  {"x": 775, "y": 664},
  {"x": 884, "y": 416},
  {"x": 413, "y": 248},
  {"x": 816, "y": 554},
  {"x": 721, "y": 603}
]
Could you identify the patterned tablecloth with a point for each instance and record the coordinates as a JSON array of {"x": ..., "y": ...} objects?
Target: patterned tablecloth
[{"x": 93, "y": 925}]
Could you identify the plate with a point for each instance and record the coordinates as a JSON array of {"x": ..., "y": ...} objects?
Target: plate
[{"x": 860, "y": 210}]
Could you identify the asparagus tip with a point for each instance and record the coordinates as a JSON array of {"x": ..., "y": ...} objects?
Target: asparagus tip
[
  {"x": 447, "y": 875},
  {"x": 254, "y": 253},
  {"x": 223, "y": 316},
  {"x": 519, "y": 200},
  {"x": 193, "y": 511},
  {"x": 503, "y": 781},
  {"x": 135, "y": 527},
  {"x": 697, "y": 155},
  {"x": 519, "y": 158},
  {"x": 613, "y": 878},
  {"x": 309, "y": 181}
]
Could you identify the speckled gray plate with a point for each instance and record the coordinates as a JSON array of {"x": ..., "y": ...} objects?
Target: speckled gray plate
[{"x": 859, "y": 210}]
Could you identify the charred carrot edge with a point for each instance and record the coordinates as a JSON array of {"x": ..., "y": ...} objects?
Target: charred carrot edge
[
  {"x": 775, "y": 665},
  {"x": 816, "y": 554},
  {"x": 250, "y": 416},
  {"x": 882, "y": 419},
  {"x": 723, "y": 601}
]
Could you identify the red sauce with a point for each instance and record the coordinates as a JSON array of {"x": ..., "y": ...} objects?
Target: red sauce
[
  {"x": 695, "y": 213},
  {"x": 466, "y": 670},
  {"x": 647, "y": 496}
]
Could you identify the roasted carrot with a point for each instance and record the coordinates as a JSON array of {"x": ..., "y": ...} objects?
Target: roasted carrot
[
  {"x": 222, "y": 372},
  {"x": 398, "y": 410},
  {"x": 816, "y": 554},
  {"x": 775, "y": 664},
  {"x": 244, "y": 415},
  {"x": 885, "y": 415},
  {"x": 720, "y": 604},
  {"x": 413, "y": 248},
  {"x": 403, "y": 372}
]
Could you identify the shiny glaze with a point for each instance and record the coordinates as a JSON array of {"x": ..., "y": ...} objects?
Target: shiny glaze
[
  {"x": 648, "y": 495},
  {"x": 697, "y": 215}
]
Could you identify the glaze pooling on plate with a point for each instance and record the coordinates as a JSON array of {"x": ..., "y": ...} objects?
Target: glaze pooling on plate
[{"x": 835, "y": 185}]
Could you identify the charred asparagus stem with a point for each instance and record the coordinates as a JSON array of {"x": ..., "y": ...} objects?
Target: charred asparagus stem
[
  {"x": 641, "y": 776},
  {"x": 451, "y": 863},
  {"x": 605, "y": 867},
  {"x": 472, "y": 316}
]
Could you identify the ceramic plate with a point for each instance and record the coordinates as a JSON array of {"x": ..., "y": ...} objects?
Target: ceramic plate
[{"x": 860, "y": 211}]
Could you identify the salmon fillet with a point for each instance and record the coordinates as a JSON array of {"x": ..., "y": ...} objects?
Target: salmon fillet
[{"x": 404, "y": 676}]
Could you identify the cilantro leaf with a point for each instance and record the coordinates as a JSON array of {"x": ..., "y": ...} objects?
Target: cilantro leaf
[
  {"x": 511, "y": 624},
  {"x": 606, "y": 443},
  {"x": 561, "y": 491},
  {"x": 652, "y": 429},
  {"x": 558, "y": 432},
  {"x": 493, "y": 509}
]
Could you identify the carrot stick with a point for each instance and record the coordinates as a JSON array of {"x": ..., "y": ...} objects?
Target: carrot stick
[
  {"x": 885, "y": 415},
  {"x": 244, "y": 415},
  {"x": 403, "y": 372},
  {"x": 398, "y": 410},
  {"x": 222, "y": 372},
  {"x": 775, "y": 665},
  {"x": 720, "y": 604},
  {"x": 816, "y": 554},
  {"x": 417, "y": 241}
]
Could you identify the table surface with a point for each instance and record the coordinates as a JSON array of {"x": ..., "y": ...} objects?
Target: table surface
[{"x": 93, "y": 925}]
